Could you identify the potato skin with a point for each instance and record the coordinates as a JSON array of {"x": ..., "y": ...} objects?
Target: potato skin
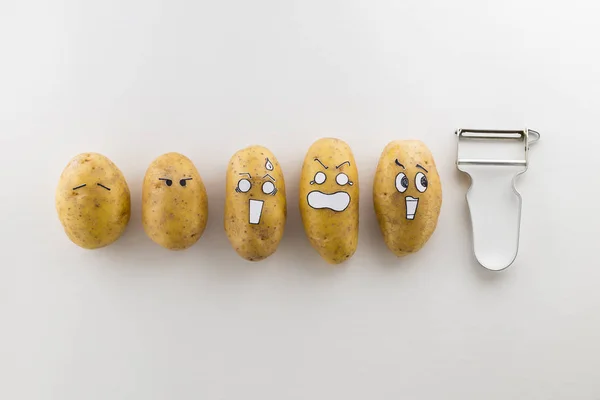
[
  {"x": 329, "y": 210},
  {"x": 254, "y": 221},
  {"x": 405, "y": 231},
  {"x": 174, "y": 216},
  {"x": 93, "y": 216}
]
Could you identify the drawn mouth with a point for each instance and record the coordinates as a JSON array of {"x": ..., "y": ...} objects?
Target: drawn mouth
[
  {"x": 337, "y": 201},
  {"x": 256, "y": 207},
  {"x": 411, "y": 207}
]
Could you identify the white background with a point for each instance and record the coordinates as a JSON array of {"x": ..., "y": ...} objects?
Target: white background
[{"x": 134, "y": 79}]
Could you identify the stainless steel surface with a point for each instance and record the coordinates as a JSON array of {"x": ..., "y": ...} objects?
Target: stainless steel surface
[{"x": 528, "y": 137}]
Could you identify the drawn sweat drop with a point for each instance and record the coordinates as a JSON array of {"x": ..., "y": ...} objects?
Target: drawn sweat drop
[{"x": 269, "y": 165}]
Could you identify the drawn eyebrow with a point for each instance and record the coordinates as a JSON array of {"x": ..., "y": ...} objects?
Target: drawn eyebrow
[
  {"x": 420, "y": 166},
  {"x": 79, "y": 187},
  {"x": 319, "y": 161},
  {"x": 186, "y": 179},
  {"x": 400, "y": 165},
  {"x": 101, "y": 185},
  {"x": 246, "y": 173},
  {"x": 345, "y": 162},
  {"x": 267, "y": 175}
]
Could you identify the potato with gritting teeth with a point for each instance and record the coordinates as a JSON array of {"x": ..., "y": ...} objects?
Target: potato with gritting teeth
[
  {"x": 329, "y": 198},
  {"x": 407, "y": 195},
  {"x": 93, "y": 201}
]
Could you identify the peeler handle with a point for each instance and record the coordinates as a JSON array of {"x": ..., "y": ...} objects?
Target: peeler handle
[
  {"x": 495, "y": 210},
  {"x": 493, "y": 199}
]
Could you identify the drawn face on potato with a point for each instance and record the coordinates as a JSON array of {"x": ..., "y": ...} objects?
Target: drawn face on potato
[
  {"x": 93, "y": 201},
  {"x": 174, "y": 202},
  {"x": 412, "y": 182},
  {"x": 266, "y": 184},
  {"x": 332, "y": 196},
  {"x": 407, "y": 195},
  {"x": 329, "y": 199},
  {"x": 255, "y": 203}
]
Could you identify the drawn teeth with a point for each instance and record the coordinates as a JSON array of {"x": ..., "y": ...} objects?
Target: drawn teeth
[
  {"x": 256, "y": 207},
  {"x": 411, "y": 207},
  {"x": 338, "y": 201}
]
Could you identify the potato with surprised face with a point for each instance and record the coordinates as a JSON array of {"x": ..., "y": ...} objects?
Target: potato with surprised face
[
  {"x": 329, "y": 199},
  {"x": 407, "y": 195},
  {"x": 255, "y": 203}
]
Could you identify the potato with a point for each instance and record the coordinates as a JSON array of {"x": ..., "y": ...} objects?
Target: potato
[
  {"x": 329, "y": 198},
  {"x": 93, "y": 201},
  {"x": 174, "y": 202},
  {"x": 407, "y": 195},
  {"x": 255, "y": 203}
]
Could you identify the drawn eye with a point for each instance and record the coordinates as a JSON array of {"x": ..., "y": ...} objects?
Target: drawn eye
[
  {"x": 102, "y": 186},
  {"x": 268, "y": 188},
  {"x": 244, "y": 186},
  {"x": 401, "y": 182},
  {"x": 320, "y": 178},
  {"x": 183, "y": 182},
  {"x": 421, "y": 182},
  {"x": 342, "y": 179},
  {"x": 167, "y": 181}
]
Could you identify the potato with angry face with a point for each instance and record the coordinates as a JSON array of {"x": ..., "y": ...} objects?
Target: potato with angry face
[
  {"x": 407, "y": 195},
  {"x": 329, "y": 199},
  {"x": 255, "y": 203},
  {"x": 174, "y": 202},
  {"x": 93, "y": 201}
]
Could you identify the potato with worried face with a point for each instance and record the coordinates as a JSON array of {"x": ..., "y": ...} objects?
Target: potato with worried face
[
  {"x": 329, "y": 199},
  {"x": 255, "y": 203},
  {"x": 174, "y": 202},
  {"x": 407, "y": 195},
  {"x": 93, "y": 201}
]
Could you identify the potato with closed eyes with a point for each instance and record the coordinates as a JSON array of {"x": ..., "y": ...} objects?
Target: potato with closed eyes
[{"x": 93, "y": 201}]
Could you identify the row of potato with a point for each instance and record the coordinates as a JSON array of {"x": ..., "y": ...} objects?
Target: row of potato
[{"x": 94, "y": 206}]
